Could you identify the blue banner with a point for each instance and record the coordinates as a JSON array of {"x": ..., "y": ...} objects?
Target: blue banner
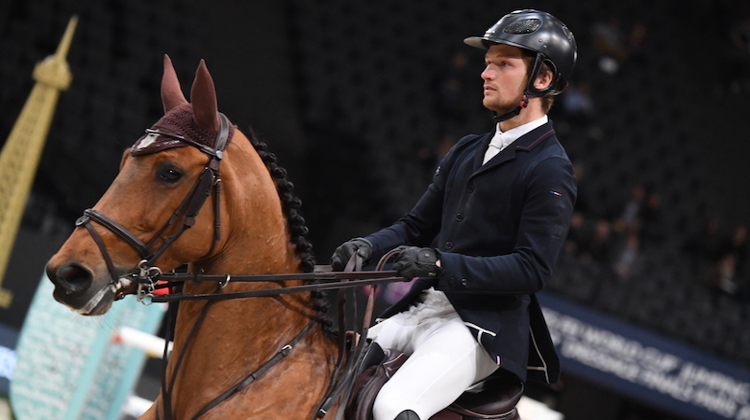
[{"x": 644, "y": 365}]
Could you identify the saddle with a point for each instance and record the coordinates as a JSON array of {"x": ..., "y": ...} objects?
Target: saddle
[{"x": 497, "y": 400}]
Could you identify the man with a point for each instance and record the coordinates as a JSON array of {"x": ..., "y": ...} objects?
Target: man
[{"x": 499, "y": 208}]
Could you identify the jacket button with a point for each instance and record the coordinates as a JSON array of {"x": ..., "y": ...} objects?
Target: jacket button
[
  {"x": 452, "y": 281},
  {"x": 470, "y": 188},
  {"x": 448, "y": 245},
  {"x": 459, "y": 217},
  {"x": 463, "y": 282}
]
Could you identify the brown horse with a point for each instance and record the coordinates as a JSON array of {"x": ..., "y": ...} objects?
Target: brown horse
[{"x": 259, "y": 232}]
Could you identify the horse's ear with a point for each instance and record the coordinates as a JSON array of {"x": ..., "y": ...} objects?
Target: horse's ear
[
  {"x": 203, "y": 97},
  {"x": 171, "y": 93}
]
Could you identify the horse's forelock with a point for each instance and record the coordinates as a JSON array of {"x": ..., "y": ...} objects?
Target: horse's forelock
[{"x": 178, "y": 121}]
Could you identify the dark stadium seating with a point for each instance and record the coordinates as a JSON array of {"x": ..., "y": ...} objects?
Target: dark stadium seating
[{"x": 367, "y": 77}]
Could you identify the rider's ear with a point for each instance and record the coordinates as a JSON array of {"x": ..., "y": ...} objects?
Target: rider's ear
[
  {"x": 543, "y": 80},
  {"x": 203, "y": 97},
  {"x": 171, "y": 93}
]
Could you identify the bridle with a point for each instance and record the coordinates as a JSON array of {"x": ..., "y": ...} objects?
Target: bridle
[
  {"x": 149, "y": 275},
  {"x": 209, "y": 179}
]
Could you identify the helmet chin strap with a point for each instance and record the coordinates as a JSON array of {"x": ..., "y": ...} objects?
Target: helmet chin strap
[{"x": 514, "y": 112}]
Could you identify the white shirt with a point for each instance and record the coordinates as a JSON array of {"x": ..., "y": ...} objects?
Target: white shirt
[{"x": 502, "y": 140}]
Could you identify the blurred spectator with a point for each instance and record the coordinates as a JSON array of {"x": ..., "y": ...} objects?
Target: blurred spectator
[
  {"x": 737, "y": 246},
  {"x": 615, "y": 47},
  {"x": 609, "y": 44},
  {"x": 629, "y": 259},
  {"x": 599, "y": 245},
  {"x": 629, "y": 216},
  {"x": 577, "y": 103},
  {"x": 574, "y": 242},
  {"x": 652, "y": 221},
  {"x": 723, "y": 276},
  {"x": 636, "y": 43}
]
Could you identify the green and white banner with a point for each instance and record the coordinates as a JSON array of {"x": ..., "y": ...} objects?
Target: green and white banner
[{"x": 70, "y": 367}]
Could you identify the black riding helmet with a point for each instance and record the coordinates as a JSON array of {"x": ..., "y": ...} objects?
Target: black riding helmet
[{"x": 541, "y": 33}]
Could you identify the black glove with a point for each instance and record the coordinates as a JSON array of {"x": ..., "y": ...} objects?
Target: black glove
[
  {"x": 345, "y": 251},
  {"x": 414, "y": 262}
]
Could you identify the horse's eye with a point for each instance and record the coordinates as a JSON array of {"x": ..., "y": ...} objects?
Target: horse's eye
[{"x": 169, "y": 174}]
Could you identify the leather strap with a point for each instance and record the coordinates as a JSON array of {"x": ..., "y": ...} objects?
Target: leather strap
[{"x": 257, "y": 373}]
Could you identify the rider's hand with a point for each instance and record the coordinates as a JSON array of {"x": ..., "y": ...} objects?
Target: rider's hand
[
  {"x": 345, "y": 251},
  {"x": 414, "y": 262}
]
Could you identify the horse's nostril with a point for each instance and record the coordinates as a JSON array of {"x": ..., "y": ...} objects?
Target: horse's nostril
[{"x": 72, "y": 278}]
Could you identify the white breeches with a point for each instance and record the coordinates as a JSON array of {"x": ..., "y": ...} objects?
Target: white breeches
[{"x": 444, "y": 359}]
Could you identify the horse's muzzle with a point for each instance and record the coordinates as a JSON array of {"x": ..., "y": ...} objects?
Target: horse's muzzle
[
  {"x": 71, "y": 279},
  {"x": 73, "y": 288}
]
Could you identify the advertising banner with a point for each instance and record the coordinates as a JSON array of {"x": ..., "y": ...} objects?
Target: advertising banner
[
  {"x": 69, "y": 367},
  {"x": 646, "y": 366}
]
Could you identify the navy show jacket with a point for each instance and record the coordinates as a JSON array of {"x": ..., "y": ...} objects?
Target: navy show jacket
[{"x": 500, "y": 228}]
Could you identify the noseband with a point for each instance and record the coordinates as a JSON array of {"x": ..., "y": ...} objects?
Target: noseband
[{"x": 209, "y": 179}]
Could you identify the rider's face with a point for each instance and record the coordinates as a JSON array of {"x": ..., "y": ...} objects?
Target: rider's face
[{"x": 504, "y": 78}]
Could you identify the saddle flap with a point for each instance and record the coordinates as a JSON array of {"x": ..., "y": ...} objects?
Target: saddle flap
[
  {"x": 498, "y": 397},
  {"x": 368, "y": 384}
]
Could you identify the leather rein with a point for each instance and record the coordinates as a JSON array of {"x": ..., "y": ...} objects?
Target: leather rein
[{"x": 150, "y": 278}]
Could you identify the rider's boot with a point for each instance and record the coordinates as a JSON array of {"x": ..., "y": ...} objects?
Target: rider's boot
[{"x": 407, "y": 415}]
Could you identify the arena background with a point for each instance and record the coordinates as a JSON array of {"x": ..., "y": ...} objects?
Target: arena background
[{"x": 359, "y": 99}]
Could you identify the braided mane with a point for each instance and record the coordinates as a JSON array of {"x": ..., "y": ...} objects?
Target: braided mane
[{"x": 297, "y": 229}]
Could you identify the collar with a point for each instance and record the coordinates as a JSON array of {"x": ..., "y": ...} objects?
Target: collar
[{"x": 501, "y": 140}]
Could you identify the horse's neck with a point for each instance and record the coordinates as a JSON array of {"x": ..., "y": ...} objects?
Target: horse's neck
[
  {"x": 233, "y": 338},
  {"x": 241, "y": 318},
  {"x": 236, "y": 337},
  {"x": 245, "y": 332}
]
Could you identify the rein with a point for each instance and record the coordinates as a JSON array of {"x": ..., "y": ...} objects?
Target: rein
[{"x": 153, "y": 279}]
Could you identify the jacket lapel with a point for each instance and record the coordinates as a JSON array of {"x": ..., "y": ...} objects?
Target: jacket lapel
[
  {"x": 524, "y": 143},
  {"x": 479, "y": 154}
]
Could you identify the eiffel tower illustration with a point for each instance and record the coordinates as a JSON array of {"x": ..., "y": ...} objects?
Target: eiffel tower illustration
[{"x": 20, "y": 155}]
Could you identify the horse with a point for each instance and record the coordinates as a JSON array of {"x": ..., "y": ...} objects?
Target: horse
[
  {"x": 195, "y": 193},
  {"x": 261, "y": 231}
]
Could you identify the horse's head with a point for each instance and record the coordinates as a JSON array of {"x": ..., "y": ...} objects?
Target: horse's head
[{"x": 150, "y": 215}]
